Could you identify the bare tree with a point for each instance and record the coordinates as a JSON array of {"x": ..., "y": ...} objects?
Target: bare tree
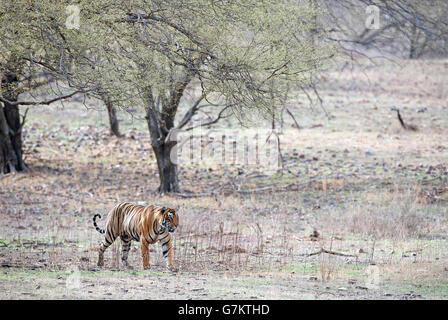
[{"x": 406, "y": 28}]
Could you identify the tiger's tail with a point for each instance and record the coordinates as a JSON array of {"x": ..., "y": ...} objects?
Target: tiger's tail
[{"x": 95, "y": 225}]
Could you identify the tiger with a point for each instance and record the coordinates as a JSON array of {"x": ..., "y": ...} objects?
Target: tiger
[{"x": 146, "y": 224}]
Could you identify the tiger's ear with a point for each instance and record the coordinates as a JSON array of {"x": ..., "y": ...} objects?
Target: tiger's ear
[{"x": 163, "y": 211}]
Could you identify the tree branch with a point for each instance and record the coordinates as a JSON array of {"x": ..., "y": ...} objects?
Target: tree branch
[
  {"x": 190, "y": 113},
  {"x": 219, "y": 117},
  {"x": 33, "y": 103}
]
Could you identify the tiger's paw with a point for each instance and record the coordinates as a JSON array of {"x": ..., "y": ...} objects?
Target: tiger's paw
[{"x": 171, "y": 269}]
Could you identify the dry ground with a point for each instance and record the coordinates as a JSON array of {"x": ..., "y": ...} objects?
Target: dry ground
[{"x": 371, "y": 194}]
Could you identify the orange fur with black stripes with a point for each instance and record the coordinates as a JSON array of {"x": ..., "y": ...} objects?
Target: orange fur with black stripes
[{"x": 132, "y": 222}]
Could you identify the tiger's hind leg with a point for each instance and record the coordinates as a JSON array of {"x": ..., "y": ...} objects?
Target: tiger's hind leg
[
  {"x": 108, "y": 240},
  {"x": 126, "y": 246},
  {"x": 101, "y": 250}
]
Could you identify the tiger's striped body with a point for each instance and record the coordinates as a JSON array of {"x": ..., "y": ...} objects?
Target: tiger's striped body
[{"x": 139, "y": 223}]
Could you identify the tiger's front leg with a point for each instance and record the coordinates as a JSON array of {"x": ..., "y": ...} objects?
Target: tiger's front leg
[
  {"x": 167, "y": 251},
  {"x": 144, "y": 247}
]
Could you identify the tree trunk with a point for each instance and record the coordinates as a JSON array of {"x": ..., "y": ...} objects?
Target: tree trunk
[
  {"x": 167, "y": 169},
  {"x": 416, "y": 46},
  {"x": 169, "y": 181},
  {"x": 113, "y": 120},
  {"x": 413, "y": 42},
  {"x": 160, "y": 124},
  {"x": 11, "y": 154}
]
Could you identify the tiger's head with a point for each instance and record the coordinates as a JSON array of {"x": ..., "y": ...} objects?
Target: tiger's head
[{"x": 170, "y": 219}]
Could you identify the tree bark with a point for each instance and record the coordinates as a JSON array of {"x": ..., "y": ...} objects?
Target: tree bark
[
  {"x": 167, "y": 169},
  {"x": 413, "y": 42},
  {"x": 160, "y": 124},
  {"x": 113, "y": 120},
  {"x": 168, "y": 172},
  {"x": 11, "y": 154}
]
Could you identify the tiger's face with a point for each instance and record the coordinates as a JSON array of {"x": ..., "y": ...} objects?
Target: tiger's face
[{"x": 170, "y": 219}]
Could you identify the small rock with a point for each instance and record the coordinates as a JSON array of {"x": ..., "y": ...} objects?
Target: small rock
[
  {"x": 421, "y": 109},
  {"x": 362, "y": 288}
]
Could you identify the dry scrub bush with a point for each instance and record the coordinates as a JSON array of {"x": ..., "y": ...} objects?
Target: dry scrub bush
[
  {"x": 396, "y": 220},
  {"x": 397, "y": 215}
]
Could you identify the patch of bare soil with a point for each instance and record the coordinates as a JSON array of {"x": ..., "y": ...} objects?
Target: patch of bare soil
[{"x": 184, "y": 285}]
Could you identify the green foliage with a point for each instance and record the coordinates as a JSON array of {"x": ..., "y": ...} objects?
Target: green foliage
[{"x": 240, "y": 52}]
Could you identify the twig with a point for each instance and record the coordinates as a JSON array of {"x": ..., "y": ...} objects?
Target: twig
[
  {"x": 405, "y": 126},
  {"x": 322, "y": 250},
  {"x": 293, "y": 118}
]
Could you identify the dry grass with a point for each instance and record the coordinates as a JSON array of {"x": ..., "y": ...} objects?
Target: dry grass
[{"x": 396, "y": 215}]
